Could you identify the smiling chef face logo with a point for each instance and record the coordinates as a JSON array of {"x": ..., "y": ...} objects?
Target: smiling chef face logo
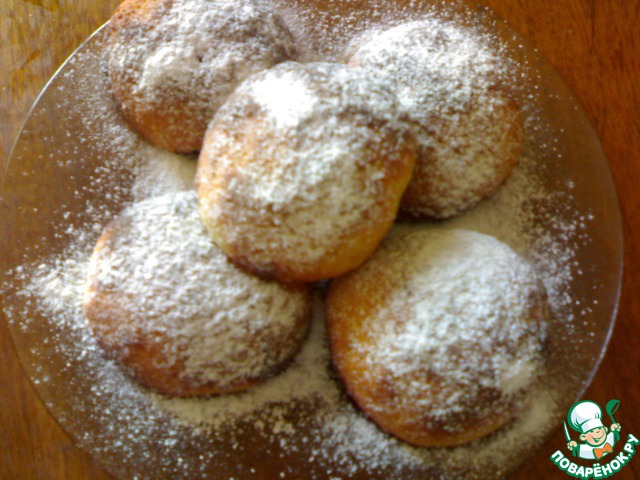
[{"x": 595, "y": 441}]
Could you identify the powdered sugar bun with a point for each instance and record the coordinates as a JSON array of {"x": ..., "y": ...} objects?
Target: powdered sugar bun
[
  {"x": 302, "y": 170},
  {"x": 164, "y": 300},
  {"x": 439, "y": 337},
  {"x": 172, "y": 64},
  {"x": 452, "y": 84}
]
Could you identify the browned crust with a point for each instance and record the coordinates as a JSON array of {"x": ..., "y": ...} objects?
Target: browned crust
[
  {"x": 349, "y": 250},
  {"x": 142, "y": 354},
  {"x": 422, "y": 193},
  {"x": 352, "y": 300}
]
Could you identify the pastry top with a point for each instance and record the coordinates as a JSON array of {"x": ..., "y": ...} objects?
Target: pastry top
[
  {"x": 467, "y": 292},
  {"x": 300, "y": 159},
  {"x": 455, "y": 88},
  {"x": 172, "y": 64},
  {"x": 156, "y": 277},
  {"x": 444, "y": 327}
]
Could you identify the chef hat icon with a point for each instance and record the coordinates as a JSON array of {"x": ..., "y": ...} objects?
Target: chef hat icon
[{"x": 585, "y": 416}]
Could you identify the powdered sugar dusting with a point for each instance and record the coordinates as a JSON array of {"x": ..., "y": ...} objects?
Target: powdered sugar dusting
[
  {"x": 308, "y": 379},
  {"x": 462, "y": 307},
  {"x": 439, "y": 65},
  {"x": 299, "y": 424},
  {"x": 157, "y": 274},
  {"x": 161, "y": 172},
  {"x": 173, "y": 64},
  {"x": 285, "y": 97},
  {"x": 450, "y": 83},
  {"x": 320, "y": 163},
  {"x": 204, "y": 45},
  {"x": 302, "y": 411}
]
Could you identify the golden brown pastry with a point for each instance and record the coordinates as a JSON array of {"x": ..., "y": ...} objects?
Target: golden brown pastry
[
  {"x": 302, "y": 171},
  {"x": 454, "y": 88},
  {"x": 163, "y": 300},
  {"x": 439, "y": 337},
  {"x": 172, "y": 64}
]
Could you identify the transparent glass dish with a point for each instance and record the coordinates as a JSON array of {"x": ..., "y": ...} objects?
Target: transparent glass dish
[{"x": 69, "y": 173}]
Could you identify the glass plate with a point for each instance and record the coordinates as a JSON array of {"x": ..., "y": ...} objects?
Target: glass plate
[{"x": 76, "y": 164}]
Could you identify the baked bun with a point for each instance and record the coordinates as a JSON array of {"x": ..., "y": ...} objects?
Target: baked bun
[
  {"x": 164, "y": 300},
  {"x": 172, "y": 64},
  {"x": 302, "y": 171},
  {"x": 452, "y": 85},
  {"x": 439, "y": 337}
]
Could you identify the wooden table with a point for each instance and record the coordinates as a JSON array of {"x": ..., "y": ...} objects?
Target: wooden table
[{"x": 595, "y": 44}]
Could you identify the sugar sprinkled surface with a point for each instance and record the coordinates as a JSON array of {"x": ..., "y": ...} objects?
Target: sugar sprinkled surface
[
  {"x": 332, "y": 431},
  {"x": 323, "y": 162},
  {"x": 191, "y": 53},
  {"x": 141, "y": 433},
  {"x": 157, "y": 275},
  {"x": 161, "y": 172},
  {"x": 450, "y": 81},
  {"x": 458, "y": 306}
]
